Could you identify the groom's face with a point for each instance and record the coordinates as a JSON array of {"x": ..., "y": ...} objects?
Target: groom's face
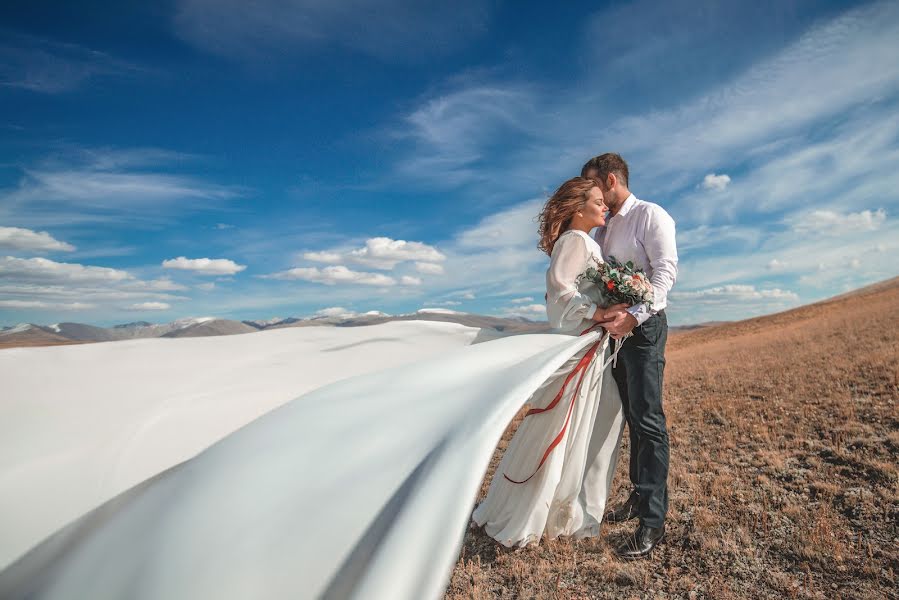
[{"x": 611, "y": 198}]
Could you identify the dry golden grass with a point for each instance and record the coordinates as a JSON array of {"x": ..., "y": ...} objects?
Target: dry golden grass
[{"x": 783, "y": 481}]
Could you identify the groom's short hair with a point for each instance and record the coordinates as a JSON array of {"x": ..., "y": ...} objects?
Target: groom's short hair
[{"x": 605, "y": 164}]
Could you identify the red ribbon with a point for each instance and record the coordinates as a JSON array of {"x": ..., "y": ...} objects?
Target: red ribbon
[{"x": 580, "y": 368}]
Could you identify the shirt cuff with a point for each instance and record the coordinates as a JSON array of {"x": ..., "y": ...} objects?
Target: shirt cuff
[{"x": 641, "y": 312}]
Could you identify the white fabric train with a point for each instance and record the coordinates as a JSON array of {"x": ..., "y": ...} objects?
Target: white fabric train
[{"x": 360, "y": 489}]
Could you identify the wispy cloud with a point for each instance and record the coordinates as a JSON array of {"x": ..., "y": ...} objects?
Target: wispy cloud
[
  {"x": 830, "y": 222},
  {"x": 393, "y": 30},
  {"x": 108, "y": 186},
  {"x": 49, "y": 67},
  {"x": 150, "y": 306},
  {"x": 332, "y": 276}
]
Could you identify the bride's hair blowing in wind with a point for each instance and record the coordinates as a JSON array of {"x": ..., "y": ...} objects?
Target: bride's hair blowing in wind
[{"x": 558, "y": 211}]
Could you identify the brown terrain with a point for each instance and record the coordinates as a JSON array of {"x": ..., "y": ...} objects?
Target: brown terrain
[{"x": 783, "y": 483}]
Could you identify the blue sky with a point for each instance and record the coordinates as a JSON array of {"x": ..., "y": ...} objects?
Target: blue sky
[{"x": 252, "y": 160}]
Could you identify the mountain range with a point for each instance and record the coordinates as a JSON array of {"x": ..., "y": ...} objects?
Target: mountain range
[{"x": 30, "y": 334}]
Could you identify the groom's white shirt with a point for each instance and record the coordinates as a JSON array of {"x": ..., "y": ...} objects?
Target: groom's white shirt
[{"x": 643, "y": 232}]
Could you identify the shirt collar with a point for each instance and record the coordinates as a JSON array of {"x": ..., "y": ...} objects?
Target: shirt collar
[{"x": 629, "y": 203}]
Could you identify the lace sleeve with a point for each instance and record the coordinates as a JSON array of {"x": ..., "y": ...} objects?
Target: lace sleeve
[{"x": 566, "y": 307}]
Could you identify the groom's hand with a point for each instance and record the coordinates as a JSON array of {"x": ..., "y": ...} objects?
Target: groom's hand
[
  {"x": 621, "y": 325},
  {"x": 606, "y": 315}
]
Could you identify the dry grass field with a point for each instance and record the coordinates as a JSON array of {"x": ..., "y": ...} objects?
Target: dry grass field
[{"x": 783, "y": 483}]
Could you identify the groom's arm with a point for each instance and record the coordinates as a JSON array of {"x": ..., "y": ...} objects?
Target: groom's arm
[{"x": 661, "y": 250}]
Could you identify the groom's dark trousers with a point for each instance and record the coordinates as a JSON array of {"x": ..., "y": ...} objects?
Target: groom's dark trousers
[{"x": 638, "y": 373}]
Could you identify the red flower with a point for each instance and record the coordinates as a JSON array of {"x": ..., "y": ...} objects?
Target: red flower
[{"x": 611, "y": 285}]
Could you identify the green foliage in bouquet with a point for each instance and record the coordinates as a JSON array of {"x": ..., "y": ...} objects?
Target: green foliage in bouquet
[{"x": 619, "y": 283}]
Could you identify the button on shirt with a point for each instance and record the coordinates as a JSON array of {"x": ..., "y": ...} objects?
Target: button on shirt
[{"x": 643, "y": 232}]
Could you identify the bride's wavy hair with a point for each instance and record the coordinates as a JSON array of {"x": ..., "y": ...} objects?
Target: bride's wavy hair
[{"x": 558, "y": 211}]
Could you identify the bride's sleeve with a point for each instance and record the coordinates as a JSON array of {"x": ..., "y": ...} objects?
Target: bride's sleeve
[{"x": 566, "y": 307}]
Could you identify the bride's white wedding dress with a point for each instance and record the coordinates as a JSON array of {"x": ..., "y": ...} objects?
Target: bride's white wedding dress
[
  {"x": 362, "y": 488},
  {"x": 554, "y": 477}
]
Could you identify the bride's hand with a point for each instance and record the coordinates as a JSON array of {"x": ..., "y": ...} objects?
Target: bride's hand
[{"x": 603, "y": 315}]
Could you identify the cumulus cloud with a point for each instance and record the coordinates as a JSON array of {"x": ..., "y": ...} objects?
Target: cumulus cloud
[
  {"x": 149, "y": 306},
  {"x": 715, "y": 183},
  {"x": 45, "y": 270},
  {"x": 334, "y": 311},
  {"x": 204, "y": 266},
  {"x": 409, "y": 280},
  {"x": 17, "y": 238},
  {"x": 380, "y": 253},
  {"x": 332, "y": 276},
  {"x": 833, "y": 223},
  {"x": 521, "y": 300},
  {"x": 46, "y": 285}
]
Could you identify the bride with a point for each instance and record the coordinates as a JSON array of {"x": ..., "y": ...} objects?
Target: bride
[{"x": 555, "y": 475}]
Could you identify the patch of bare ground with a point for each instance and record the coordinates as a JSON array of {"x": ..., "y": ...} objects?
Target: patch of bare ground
[{"x": 783, "y": 481}]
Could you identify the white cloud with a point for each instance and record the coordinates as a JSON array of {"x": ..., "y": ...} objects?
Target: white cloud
[
  {"x": 204, "y": 266},
  {"x": 223, "y": 226},
  {"x": 524, "y": 300},
  {"x": 736, "y": 293},
  {"x": 16, "y": 238},
  {"x": 409, "y": 280},
  {"x": 429, "y": 268},
  {"x": 332, "y": 276},
  {"x": 45, "y": 285},
  {"x": 108, "y": 186},
  {"x": 38, "y": 304},
  {"x": 380, "y": 253},
  {"x": 206, "y": 287},
  {"x": 717, "y": 183},
  {"x": 45, "y": 270},
  {"x": 829, "y": 222},
  {"x": 334, "y": 311},
  {"x": 163, "y": 284},
  {"x": 450, "y": 132},
  {"x": 325, "y": 257},
  {"x": 529, "y": 311},
  {"x": 149, "y": 306},
  {"x": 775, "y": 265}
]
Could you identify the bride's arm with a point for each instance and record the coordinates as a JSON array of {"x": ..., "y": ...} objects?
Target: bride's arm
[{"x": 566, "y": 307}]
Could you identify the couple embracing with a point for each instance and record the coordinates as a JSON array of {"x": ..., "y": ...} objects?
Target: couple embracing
[{"x": 555, "y": 475}]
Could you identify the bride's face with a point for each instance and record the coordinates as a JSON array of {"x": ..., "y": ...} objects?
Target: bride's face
[{"x": 594, "y": 209}]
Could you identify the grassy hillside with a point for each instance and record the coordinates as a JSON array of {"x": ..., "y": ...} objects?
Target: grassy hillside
[{"x": 784, "y": 480}]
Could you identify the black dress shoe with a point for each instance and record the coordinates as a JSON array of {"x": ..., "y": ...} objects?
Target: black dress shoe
[
  {"x": 626, "y": 511},
  {"x": 641, "y": 543}
]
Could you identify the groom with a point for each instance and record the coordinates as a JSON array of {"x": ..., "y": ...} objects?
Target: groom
[{"x": 641, "y": 232}]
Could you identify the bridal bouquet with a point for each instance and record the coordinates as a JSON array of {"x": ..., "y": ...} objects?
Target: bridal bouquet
[{"x": 617, "y": 283}]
